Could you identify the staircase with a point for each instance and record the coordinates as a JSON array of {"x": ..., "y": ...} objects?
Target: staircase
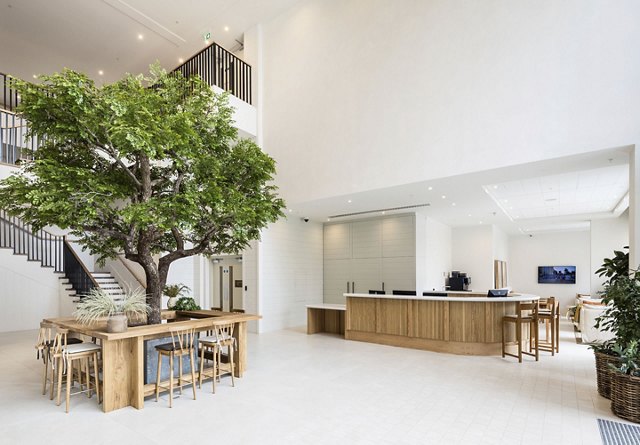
[{"x": 109, "y": 284}]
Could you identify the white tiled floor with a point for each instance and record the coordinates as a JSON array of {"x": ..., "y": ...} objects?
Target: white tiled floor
[{"x": 321, "y": 389}]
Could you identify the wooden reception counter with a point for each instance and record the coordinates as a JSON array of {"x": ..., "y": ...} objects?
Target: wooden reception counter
[
  {"x": 123, "y": 354},
  {"x": 454, "y": 322}
]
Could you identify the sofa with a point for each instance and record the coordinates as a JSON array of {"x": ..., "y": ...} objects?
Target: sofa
[{"x": 587, "y": 310}]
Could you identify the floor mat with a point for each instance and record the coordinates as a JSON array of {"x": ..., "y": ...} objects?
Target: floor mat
[{"x": 617, "y": 433}]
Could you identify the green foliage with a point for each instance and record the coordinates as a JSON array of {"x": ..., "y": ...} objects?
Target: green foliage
[
  {"x": 126, "y": 163},
  {"x": 629, "y": 359},
  {"x": 151, "y": 167},
  {"x": 622, "y": 315},
  {"x": 615, "y": 267},
  {"x": 186, "y": 304},
  {"x": 175, "y": 290},
  {"x": 97, "y": 304}
]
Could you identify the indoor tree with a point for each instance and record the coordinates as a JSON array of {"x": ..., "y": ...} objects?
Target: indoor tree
[{"x": 149, "y": 166}]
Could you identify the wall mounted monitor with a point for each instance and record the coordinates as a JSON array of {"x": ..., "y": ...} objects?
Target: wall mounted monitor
[{"x": 557, "y": 274}]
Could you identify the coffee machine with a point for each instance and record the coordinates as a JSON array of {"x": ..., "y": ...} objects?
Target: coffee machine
[{"x": 459, "y": 281}]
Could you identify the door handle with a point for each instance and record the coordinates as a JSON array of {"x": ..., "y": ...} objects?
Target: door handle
[
  {"x": 353, "y": 287},
  {"x": 383, "y": 286},
  {"x": 347, "y": 287}
]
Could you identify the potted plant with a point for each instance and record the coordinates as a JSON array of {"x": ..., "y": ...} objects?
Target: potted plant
[
  {"x": 186, "y": 304},
  {"x": 625, "y": 391},
  {"x": 613, "y": 269},
  {"x": 98, "y": 304},
  {"x": 174, "y": 291}
]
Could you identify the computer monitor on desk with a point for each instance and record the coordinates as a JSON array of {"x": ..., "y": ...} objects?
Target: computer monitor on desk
[{"x": 495, "y": 293}]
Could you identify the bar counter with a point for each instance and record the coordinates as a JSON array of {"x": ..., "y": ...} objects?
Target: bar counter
[
  {"x": 123, "y": 353},
  {"x": 459, "y": 323}
]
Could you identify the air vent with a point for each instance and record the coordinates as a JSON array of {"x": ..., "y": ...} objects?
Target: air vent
[{"x": 390, "y": 209}]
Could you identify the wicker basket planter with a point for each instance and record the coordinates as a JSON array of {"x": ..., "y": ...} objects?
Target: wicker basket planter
[
  {"x": 604, "y": 373},
  {"x": 625, "y": 396}
]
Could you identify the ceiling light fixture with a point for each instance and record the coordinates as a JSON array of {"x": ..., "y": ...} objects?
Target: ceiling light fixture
[
  {"x": 140, "y": 37},
  {"x": 290, "y": 210},
  {"x": 453, "y": 204},
  {"x": 100, "y": 72},
  {"x": 180, "y": 60},
  {"x": 226, "y": 28},
  {"x": 480, "y": 222},
  {"x": 349, "y": 201},
  {"x": 469, "y": 215},
  {"x": 430, "y": 188},
  {"x": 495, "y": 187},
  {"x": 35, "y": 77},
  {"x": 444, "y": 197}
]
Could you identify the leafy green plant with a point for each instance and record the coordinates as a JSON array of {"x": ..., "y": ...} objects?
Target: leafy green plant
[
  {"x": 629, "y": 359},
  {"x": 175, "y": 290},
  {"x": 157, "y": 173},
  {"x": 615, "y": 267},
  {"x": 186, "y": 304},
  {"x": 98, "y": 304},
  {"x": 622, "y": 315}
]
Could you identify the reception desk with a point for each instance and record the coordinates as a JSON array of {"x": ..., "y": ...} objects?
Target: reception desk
[{"x": 454, "y": 322}]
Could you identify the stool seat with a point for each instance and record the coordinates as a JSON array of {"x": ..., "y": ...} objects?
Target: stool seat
[
  {"x": 212, "y": 339},
  {"x": 77, "y": 348}
]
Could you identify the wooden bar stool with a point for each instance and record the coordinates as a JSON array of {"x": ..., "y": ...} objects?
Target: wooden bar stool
[
  {"x": 67, "y": 356},
  {"x": 181, "y": 345},
  {"x": 220, "y": 338},
  {"x": 46, "y": 336},
  {"x": 551, "y": 317},
  {"x": 526, "y": 315}
]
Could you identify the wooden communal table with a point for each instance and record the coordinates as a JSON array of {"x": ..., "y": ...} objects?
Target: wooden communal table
[{"x": 123, "y": 353}]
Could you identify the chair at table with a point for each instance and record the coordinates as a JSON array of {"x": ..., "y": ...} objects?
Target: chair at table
[
  {"x": 550, "y": 314},
  {"x": 66, "y": 356},
  {"x": 212, "y": 346},
  {"x": 526, "y": 315},
  {"x": 182, "y": 340},
  {"x": 46, "y": 336}
]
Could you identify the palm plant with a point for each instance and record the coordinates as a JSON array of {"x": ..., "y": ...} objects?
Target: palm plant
[
  {"x": 98, "y": 303},
  {"x": 175, "y": 290}
]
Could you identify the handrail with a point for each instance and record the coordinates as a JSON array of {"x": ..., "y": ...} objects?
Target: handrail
[
  {"x": 217, "y": 66},
  {"x": 8, "y": 95},
  {"x": 77, "y": 273},
  {"x": 37, "y": 245}
]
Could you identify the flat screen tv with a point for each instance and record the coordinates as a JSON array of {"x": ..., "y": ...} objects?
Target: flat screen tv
[{"x": 557, "y": 274}]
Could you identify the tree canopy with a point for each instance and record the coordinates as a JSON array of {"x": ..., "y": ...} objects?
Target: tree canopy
[{"x": 149, "y": 166}]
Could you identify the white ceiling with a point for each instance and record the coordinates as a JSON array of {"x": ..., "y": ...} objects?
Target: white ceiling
[
  {"x": 44, "y": 36},
  {"x": 591, "y": 191},
  {"x": 462, "y": 200}
]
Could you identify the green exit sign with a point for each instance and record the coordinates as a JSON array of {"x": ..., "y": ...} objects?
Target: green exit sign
[{"x": 207, "y": 36}]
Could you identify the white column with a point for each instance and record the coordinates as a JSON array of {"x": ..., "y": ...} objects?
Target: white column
[{"x": 634, "y": 207}]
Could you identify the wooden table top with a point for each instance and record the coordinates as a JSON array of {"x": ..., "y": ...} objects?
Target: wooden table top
[{"x": 198, "y": 319}]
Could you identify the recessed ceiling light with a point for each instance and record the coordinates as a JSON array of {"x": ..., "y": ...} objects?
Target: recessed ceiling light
[
  {"x": 226, "y": 28},
  {"x": 382, "y": 212},
  {"x": 495, "y": 187},
  {"x": 444, "y": 196},
  {"x": 469, "y": 214},
  {"x": 328, "y": 219},
  {"x": 480, "y": 222},
  {"x": 180, "y": 60},
  {"x": 100, "y": 72},
  {"x": 429, "y": 188},
  {"x": 505, "y": 200},
  {"x": 290, "y": 210},
  {"x": 35, "y": 77},
  {"x": 453, "y": 204},
  {"x": 349, "y": 201},
  {"x": 140, "y": 37}
]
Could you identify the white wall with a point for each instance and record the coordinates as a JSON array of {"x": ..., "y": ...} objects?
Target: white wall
[
  {"x": 425, "y": 89},
  {"x": 29, "y": 292},
  {"x": 607, "y": 235},
  {"x": 553, "y": 249},
  {"x": 438, "y": 255},
  {"x": 472, "y": 252},
  {"x": 290, "y": 270}
]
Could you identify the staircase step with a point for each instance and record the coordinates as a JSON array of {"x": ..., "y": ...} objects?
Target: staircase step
[{"x": 101, "y": 274}]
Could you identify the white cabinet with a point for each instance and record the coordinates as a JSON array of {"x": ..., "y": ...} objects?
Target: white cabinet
[
  {"x": 366, "y": 238},
  {"x": 337, "y": 241},
  {"x": 365, "y": 254},
  {"x": 399, "y": 273},
  {"x": 399, "y": 236}
]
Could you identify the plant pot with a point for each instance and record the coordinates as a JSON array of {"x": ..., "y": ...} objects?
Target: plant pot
[
  {"x": 117, "y": 323},
  {"x": 625, "y": 396},
  {"x": 604, "y": 373},
  {"x": 172, "y": 302}
]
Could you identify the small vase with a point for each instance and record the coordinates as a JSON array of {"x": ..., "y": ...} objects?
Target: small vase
[
  {"x": 117, "y": 323},
  {"x": 172, "y": 302}
]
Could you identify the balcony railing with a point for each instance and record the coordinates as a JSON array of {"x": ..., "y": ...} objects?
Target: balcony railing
[
  {"x": 8, "y": 96},
  {"x": 217, "y": 66},
  {"x": 15, "y": 144}
]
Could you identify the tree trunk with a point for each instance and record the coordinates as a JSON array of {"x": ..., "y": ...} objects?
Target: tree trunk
[{"x": 154, "y": 296}]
